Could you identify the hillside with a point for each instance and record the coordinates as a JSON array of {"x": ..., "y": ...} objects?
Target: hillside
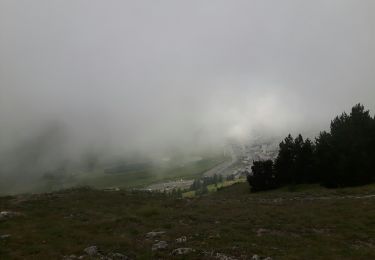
[{"x": 303, "y": 222}]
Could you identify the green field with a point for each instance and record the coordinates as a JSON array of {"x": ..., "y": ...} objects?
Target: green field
[
  {"x": 299, "y": 222},
  {"x": 134, "y": 177}
]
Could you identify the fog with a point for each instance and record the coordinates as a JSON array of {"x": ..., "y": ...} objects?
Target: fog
[{"x": 123, "y": 77}]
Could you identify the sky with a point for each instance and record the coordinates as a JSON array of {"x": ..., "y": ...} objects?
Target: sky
[{"x": 147, "y": 75}]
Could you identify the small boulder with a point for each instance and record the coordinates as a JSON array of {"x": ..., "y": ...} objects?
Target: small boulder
[
  {"x": 182, "y": 239},
  {"x": 182, "y": 251},
  {"x": 224, "y": 257},
  {"x": 8, "y": 214},
  {"x": 5, "y": 236},
  {"x": 70, "y": 257},
  {"x": 154, "y": 234},
  {"x": 261, "y": 232},
  {"x": 159, "y": 246},
  {"x": 118, "y": 256},
  {"x": 257, "y": 257},
  {"x": 91, "y": 250}
]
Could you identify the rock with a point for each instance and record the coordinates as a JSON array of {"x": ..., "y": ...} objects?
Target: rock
[
  {"x": 71, "y": 257},
  {"x": 159, "y": 246},
  {"x": 4, "y": 214},
  {"x": 208, "y": 253},
  {"x": 182, "y": 239},
  {"x": 154, "y": 234},
  {"x": 224, "y": 257},
  {"x": 214, "y": 236},
  {"x": 182, "y": 251},
  {"x": 8, "y": 214},
  {"x": 118, "y": 256},
  {"x": 5, "y": 236},
  {"x": 91, "y": 250},
  {"x": 257, "y": 257},
  {"x": 260, "y": 232}
]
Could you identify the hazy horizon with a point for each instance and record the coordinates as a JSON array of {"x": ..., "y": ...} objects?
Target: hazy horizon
[{"x": 122, "y": 77}]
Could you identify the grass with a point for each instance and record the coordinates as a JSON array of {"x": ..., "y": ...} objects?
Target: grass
[
  {"x": 145, "y": 177},
  {"x": 213, "y": 187},
  {"x": 131, "y": 177},
  {"x": 308, "y": 223},
  {"x": 189, "y": 194}
]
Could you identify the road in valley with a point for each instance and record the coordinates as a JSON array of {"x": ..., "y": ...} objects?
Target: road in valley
[{"x": 224, "y": 168}]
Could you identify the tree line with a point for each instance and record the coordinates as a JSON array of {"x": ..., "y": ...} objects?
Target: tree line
[{"x": 343, "y": 156}]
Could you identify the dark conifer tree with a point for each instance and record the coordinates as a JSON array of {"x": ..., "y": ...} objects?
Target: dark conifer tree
[
  {"x": 284, "y": 161},
  {"x": 262, "y": 176}
]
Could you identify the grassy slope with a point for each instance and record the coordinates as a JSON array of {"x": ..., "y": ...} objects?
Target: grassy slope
[
  {"x": 213, "y": 187},
  {"x": 309, "y": 223}
]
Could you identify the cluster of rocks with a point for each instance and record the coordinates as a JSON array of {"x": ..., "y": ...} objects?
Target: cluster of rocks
[
  {"x": 221, "y": 256},
  {"x": 159, "y": 245},
  {"x": 163, "y": 245},
  {"x": 92, "y": 252}
]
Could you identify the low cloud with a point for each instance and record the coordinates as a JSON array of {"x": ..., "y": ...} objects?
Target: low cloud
[{"x": 120, "y": 77}]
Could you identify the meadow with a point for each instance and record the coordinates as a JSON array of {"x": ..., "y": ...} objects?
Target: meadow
[{"x": 296, "y": 222}]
